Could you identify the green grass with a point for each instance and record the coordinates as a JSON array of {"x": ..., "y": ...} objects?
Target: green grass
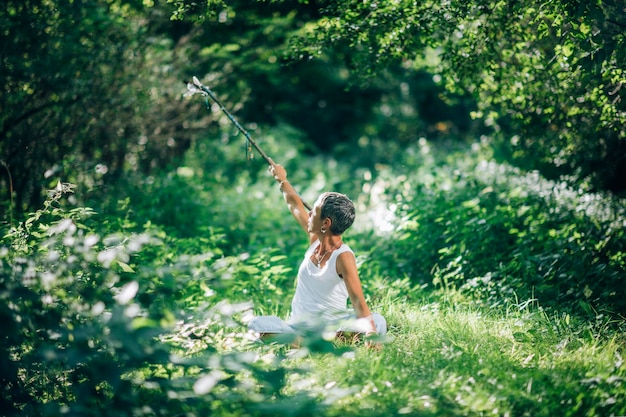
[{"x": 444, "y": 359}]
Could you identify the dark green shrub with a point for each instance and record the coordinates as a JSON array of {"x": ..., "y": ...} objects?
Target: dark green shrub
[
  {"x": 499, "y": 233},
  {"x": 111, "y": 325}
]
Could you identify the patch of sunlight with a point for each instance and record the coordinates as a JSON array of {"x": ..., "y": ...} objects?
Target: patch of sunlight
[
  {"x": 374, "y": 210},
  {"x": 317, "y": 186},
  {"x": 381, "y": 218},
  {"x": 185, "y": 172},
  {"x": 561, "y": 195}
]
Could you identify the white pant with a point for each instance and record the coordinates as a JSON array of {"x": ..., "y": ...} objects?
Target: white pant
[{"x": 273, "y": 324}]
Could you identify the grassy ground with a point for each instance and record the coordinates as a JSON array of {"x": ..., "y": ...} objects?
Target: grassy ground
[{"x": 452, "y": 359}]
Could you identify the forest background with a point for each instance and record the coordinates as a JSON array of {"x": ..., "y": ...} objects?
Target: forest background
[{"x": 483, "y": 143}]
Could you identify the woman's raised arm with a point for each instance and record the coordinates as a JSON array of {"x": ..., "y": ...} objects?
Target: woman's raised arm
[{"x": 293, "y": 200}]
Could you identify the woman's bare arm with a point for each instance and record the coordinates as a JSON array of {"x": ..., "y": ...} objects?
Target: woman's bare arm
[
  {"x": 293, "y": 200},
  {"x": 346, "y": 268}
]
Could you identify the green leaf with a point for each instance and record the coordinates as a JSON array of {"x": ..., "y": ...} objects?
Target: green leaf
[{"x": 125, "y": 267}]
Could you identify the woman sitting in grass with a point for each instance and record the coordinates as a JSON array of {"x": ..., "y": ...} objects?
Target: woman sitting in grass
[{"x": 328, "y": 274}]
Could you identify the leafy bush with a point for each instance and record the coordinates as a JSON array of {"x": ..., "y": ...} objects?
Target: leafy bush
[
  {"x": 546, "y": 76},
  {"x": 101, "y": 325},
  {"x": 500, "y": 233}
]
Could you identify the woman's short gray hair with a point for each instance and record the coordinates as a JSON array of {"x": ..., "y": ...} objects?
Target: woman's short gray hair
[{"x": 339, "y": 209}]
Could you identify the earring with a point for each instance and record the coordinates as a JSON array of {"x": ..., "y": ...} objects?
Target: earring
[{"x": 322, "y": 230}]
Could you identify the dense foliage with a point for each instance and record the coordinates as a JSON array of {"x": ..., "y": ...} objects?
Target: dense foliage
[
  {"x": 544, "y": 79},
  {"x": 500, "y": 233},
  {"x": 110, "y": 104},
  {"x": 103, "y": 324},
  {"x": 140, "y": 314},
  {"x": 548, "y": 76},
  {"x": 137, "y": 240},
  {"x": 87, "y": 95}
]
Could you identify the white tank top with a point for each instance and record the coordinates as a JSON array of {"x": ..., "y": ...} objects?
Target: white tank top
[{"x": 320, "y": 292}]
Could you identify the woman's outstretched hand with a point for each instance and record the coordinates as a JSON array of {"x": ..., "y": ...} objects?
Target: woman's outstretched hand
[{"x": 278, "y": 172}]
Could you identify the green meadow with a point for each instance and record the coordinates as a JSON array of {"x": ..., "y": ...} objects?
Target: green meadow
[{"x": 499, "y": 288}]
